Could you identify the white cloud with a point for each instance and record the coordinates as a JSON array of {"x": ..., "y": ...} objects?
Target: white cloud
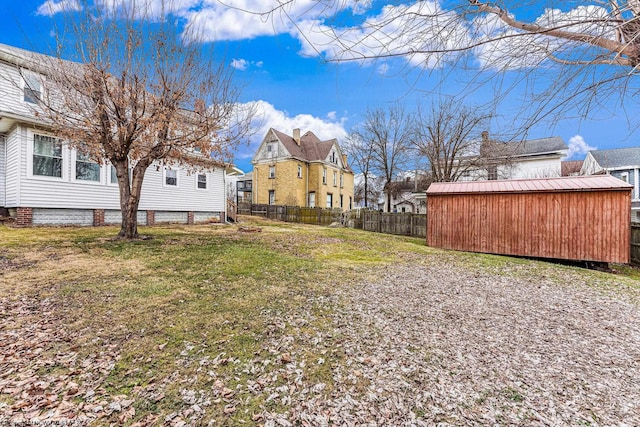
[
  {"x": 247, "y": 19},
  {"x": 267, "y": 116},
  {"x": 578, "y": 147},
  {"x": 503, "y": 48},
  {"x": 240, "y": 64},
  {"x": 383, "y": 69},
  {"x": 51, "y": 7},
  {"x": 409, "y": 31}
]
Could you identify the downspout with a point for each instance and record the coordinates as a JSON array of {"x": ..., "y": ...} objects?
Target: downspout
[{"x": 306, "y": 193}]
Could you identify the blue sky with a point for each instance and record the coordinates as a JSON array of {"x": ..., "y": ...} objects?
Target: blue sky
[{"x": 282, "y": 66}]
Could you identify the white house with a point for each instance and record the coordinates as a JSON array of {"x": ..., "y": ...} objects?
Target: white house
[
  {"x": 44, "y": 181},
  {"x": 534, "y": 158},
  {"x": 623, "y": 163}
]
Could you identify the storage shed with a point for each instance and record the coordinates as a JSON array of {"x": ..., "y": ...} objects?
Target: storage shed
[{"x": 584, "y": 218}]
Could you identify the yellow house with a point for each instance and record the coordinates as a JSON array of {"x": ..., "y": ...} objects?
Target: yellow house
[{"x": 301, "y": 171}]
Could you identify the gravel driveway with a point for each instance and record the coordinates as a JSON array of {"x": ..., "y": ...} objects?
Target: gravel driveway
[{"x": 443, "y": 345}]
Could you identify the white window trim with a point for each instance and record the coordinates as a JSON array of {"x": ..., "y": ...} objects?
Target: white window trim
[
  {"x": 108, "y": 176},
  {"x": 164, "y": 177},
  {"x": 74, "y": 159},
  {"x": 23, "y": 82},
  {"x": 65, "y": 159},
  {"x": 272, "y": 176},
  {"x": 206, "y": 181},
  {"x": 299, "y": 171},
  {"x": 625, "y": 176}
]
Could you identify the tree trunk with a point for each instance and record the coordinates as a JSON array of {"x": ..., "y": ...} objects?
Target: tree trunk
[
  {"x": 366, "y": 189},
  {"x": 129, "y": 198}
]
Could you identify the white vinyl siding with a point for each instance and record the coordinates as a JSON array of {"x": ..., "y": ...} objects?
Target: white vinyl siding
[
  {"x": 34, "y": 191},
  {"x": 15, "y": 166},
  {"x": 2, "y": 168}
]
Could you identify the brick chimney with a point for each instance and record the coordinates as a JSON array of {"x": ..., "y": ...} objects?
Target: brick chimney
[
  {"x": 344, "y": 160},
  {"x": 296, "y": 136}
]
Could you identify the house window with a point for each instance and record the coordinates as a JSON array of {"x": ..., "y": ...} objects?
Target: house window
[
  {"x": 272, "y": 171},
  {"x": 350, "y": 203},
  {"x": 625, "y": 177},
  {"x": 341, "y": 205},
  {"x": 32, "y": 89},
  {"x": 335, "y": 179},
  {"x": 329, "y": 200},
  {"x": 113, "y": 179},
  {"x": 272, "y": 197},
  {"x": 492, "y": 172},
  {"x": 86, "y": 169},
  {"x": 47, "y": 156},
  {"x": 341, "y": 180},
  {"x": 324, "y": 176},
  {"x": 332, "y": 157},
  {"x": 312, "y": 199},
  {"x": 299, "y": 171},
  {"x": 170, "y": 177},
  {"x": 201, "y": 181}
]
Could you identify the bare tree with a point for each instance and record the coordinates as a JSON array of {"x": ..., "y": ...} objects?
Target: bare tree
[
  {"x": 569, "y": 56},
  {"x": 139, "y": 95},
  {"x": 361, "y": 157},
  {"x": 448, "y": 136},
  {"x": 386, "y": 136}
]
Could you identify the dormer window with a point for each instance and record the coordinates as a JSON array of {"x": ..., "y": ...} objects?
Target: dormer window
[
  {"x": 333, "y": 158},
  {"x": 32, "y": 89}
]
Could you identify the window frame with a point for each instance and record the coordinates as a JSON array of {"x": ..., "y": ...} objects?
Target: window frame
[
  {"x": 164, "y": 177},
  {"x": 335, "y": 178},
  {"x": 311, "y": 201},
  {"x": 324, "y": 176},
  {"x": 329, "y": 200},
  {"x": 26, "y": 86},
  {"x": 299, "y": 171},
  {"x": 272, "y": 197},
  {"x": 74, "y": 170},
  {"x": 624, "y": 176},
  {"x": 206, "y": 181},
  {"x": 272, "y": 172},
  {"x": 31, "y": 137}
]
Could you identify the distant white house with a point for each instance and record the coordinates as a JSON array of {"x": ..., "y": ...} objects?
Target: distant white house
[
  {"x": 534, "y": 158},
  {"x": 44, "y": 181},
  {"x": 623, "y": 163}
]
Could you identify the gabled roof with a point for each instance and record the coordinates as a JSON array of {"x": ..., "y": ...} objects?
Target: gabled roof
[
  {"x": 617, "y": 157},
  {"x": 311, "y": 148},
  {"x": 572, "y": 183},
  {"x": 530, "y": 147},
  {"x": 570, "y": 167}
]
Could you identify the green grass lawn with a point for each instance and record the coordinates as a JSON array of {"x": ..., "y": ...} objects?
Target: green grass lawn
[{"x": 197, "y": 308}]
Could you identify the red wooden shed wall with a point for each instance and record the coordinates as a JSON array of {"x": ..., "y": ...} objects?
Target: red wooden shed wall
[{"x": 575, "y": 225}]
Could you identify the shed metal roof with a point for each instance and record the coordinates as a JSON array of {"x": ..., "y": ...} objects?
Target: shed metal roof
[{"x": 569, "y": 183}]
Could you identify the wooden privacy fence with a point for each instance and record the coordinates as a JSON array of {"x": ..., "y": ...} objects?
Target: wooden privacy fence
[
  {"x": 635, "y": 243},
  {"x": 405, "y": 224},
  {"x": 292, "y": 213}
]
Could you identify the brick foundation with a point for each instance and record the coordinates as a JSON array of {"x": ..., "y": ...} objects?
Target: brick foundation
[
  {"x": 190, "y": 217},
  {"x": 24, "y": 217},
  {"x": 98, "y": 217},
  {"x": 151, "y": 217}
]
